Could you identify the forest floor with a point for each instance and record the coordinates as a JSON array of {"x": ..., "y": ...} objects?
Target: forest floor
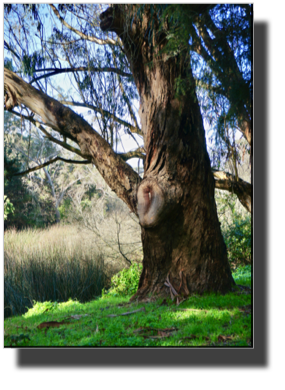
[{"x": 211, "y": 320}]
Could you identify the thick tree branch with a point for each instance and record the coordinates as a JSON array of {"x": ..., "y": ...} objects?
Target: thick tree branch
[
  {"x": 225, "y": 181},
  {"x": 139, "y": 153},
  {"x": 120, "y": 177},
  {"x": 223, "y": 73}
]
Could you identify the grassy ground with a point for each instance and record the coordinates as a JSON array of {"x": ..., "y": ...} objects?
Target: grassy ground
[
  {"x": 211, "y": 320},
  {"x": 52, "y": 265}
]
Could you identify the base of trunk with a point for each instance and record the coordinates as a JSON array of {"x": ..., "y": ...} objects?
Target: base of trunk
[
  {"x": 167, "y": 290},
  {"x": 183, "y": 257}
]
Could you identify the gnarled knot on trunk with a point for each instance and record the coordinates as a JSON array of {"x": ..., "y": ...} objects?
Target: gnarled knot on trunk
[{"x": 150, "y": 203}]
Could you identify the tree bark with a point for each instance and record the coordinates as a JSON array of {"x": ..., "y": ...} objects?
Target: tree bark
[
  {"x": 181, "y": 236},
  {"x": 243, "y": 189},
  {"x": 183, "y": 247},
  {"x": 120, "y": 177}
]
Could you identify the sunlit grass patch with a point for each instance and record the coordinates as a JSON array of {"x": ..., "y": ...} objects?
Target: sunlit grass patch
[
  {"x": 199, "y": 321},
  {"x": 242, "y": 275}
]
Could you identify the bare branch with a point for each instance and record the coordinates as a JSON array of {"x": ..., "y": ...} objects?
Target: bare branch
[
  {"x": 56, "y": 71},
  {"x": 48, "y": 135},
  {"x": 119, "y": 244},
  {"x": 119, "y": 175},
  {"x": 132, "y": 128},
  {"x": 50, "y": 162},
  {"x": 82, "y": 35},
  {"x": 139, "y": 153},
  {"x": 11, "y": 50}
]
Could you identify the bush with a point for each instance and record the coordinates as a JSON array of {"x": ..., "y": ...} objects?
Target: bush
[
  {"x": 242, "y": 275},
  {"x": 237, "y": 236},
  {"x": 8, "y": 207},
  {"x": 125, "y": 282}
]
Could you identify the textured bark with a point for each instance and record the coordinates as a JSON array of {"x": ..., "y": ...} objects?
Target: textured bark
[
  {"x": 243, "y": 190},
  {"x": 181, "y": 236},
  {"x": 183, "y": 247},
  {"x": 118, "y": 175}
]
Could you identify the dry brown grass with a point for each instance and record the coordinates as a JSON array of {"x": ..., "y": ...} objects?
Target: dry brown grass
[{"x": 53, "y": 264}]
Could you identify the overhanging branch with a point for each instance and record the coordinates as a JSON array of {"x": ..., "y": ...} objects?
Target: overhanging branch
[
  {"x": 50, "y": 162},
  {"x": 120, "y": 177},
  {"x": 47, "y": 134},
  {"x": 54, "y": 72},
  {"x": 139, "y": 153},
  {"x": 82, "y": 35},
  {"x": 132, "y": 128},
  {"x": 225, "y": 181}
]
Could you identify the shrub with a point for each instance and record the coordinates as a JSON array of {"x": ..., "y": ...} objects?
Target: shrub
[
  {"x": 125, "y": 282},
  {"x": 237, "y": 236},
  {"x": 8, "y": 207},
  {"x": 242, "y": 275}
]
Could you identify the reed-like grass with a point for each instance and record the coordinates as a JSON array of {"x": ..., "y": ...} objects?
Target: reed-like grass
[{"x": 53, "y": 264}]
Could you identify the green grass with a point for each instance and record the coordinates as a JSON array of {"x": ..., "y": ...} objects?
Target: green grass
[
  {"x": 209, "y": 320},
  {"x": 44, "y": 268}
]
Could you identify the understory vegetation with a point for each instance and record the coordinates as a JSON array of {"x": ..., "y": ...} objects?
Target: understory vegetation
[
  {"x": 70, "y": 284},
  {"x": 61, "y": 291},
  {"x": 208, "y": 320}
]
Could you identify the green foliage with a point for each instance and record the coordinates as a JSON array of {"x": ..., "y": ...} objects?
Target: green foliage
[
  {"x": 212, "y": 320},
  {"x": 65, "y": 208},
  {"x": 125, "y": 282},
  {"x": 236, "y": 228},
  {"x": 242, "y": 275},
  {"x": 86, "y": 204},
  {"x": 41, "y": 307},
  {"x": 16, "y": 192},
  {"x": 31, "y": 194},
  {"x": 8, "y": 64},
  {"x": 237, "y": 238},
  {"x": 32, "y": 62},
  {"x": 8, "y": 207}
]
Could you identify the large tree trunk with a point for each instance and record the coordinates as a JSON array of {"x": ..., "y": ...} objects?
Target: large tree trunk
[
  {"x": 181, "y": 236},
  {"x": 183, "y": 246}
]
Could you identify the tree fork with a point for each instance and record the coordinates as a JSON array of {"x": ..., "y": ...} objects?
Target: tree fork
[{"x": 120, "y": 177}]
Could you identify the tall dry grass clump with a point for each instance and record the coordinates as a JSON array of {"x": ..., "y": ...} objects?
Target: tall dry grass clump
[{"x": 53, "y": 264}]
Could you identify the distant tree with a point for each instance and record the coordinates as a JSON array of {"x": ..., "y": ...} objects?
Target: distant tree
[{"x": 16, "y": 193}]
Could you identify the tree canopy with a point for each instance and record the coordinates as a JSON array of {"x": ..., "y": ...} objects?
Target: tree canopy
[
  {"x": 62, "y": 51},
  {"x": 112, "y": 83}
]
